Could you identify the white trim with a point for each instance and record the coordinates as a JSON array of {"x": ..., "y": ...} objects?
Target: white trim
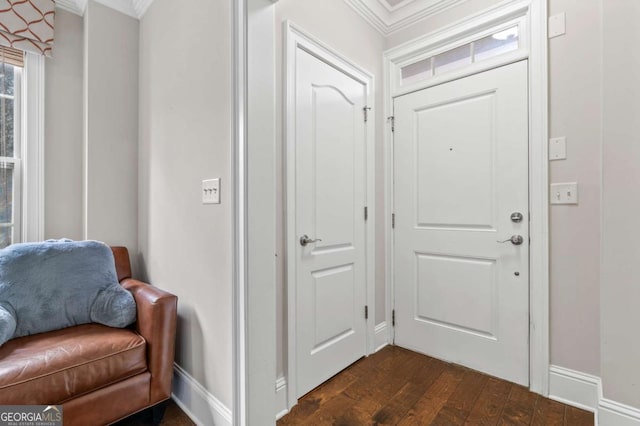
[
  {"x": 389, "y": 196},
  {"x": 33, "y": 148},
  {"x": 381, "y": 336},
  {"x": 584, "y": 391},
  {"x": 197, "y": 403},
  {"x": 238, "y": 214},
  {"x": 538, "y": 200},
  {"x": 85, "y": 130},
  {"x": 18, "y": 150},
  {"x": 611, "y": 413},
  {"x": 141, "y": 7},
  {"x": 134, "y": 8},
  {"x": 531, "y": 16},
  {"x": 297, "y": 37},
  {"x": 388, "y": 20},
  {"x": 459, "y": 33},
  {"x": 574, "y": 388},
  {"x": 281, "y": 398},
  {"x": 74, "y": 6},
  {"x": 122, "y": 6}
]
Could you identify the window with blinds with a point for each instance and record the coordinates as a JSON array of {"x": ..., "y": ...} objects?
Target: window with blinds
[{"x": 11, "y": 65}]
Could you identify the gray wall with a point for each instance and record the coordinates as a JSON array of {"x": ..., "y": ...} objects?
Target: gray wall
[
  {"x": 111, "y": 126},
  {"x": 91, "y": 141},
  {"x": 185, "y": 137},
  {"x": 620, "y": 288},
  {"x": 63, "y": 130},
  {"x": 337, "y": 25},
  {"x": 575, "y": 98}
]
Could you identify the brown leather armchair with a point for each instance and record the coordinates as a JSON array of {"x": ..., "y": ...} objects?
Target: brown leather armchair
[{"x": 97, "y": 373}]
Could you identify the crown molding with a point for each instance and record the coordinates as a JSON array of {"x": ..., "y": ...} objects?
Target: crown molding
[
  {"x": 134, "y": 8},
  {"x": 141, "y": 7},
  {"x": 388, "y": 20},
  {"x": 123, "y": 6},
  {"x": 74, "y": 6}
]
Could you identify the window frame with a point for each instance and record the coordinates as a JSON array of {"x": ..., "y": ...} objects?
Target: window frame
[
  {"x": 16, "y": 160},
  {"x": 32, "y": 148}
]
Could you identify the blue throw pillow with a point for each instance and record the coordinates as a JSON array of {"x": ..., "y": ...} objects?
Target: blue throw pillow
[{"x": 57, "y": 284}]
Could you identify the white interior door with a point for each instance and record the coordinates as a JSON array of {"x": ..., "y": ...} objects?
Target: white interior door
[
  {"x": 330, "y": 198},
  {"x": 461, "y": 171}
]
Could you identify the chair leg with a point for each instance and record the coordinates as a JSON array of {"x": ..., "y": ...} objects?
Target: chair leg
[{"x": 157, "y": 412}]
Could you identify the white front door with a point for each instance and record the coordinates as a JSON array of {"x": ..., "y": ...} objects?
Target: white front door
[
  {"x": 330, "y": 198},
  {"x": 461, "y": 171}
]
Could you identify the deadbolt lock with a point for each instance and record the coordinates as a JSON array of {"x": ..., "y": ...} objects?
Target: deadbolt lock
[{"x": 516, "y": 217}]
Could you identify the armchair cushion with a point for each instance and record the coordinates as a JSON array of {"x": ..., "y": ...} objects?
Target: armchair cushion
[
  {"x": 50, "y": 368},
  {"x": 57, "y": 284}
]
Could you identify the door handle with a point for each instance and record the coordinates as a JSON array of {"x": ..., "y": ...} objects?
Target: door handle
[
  {"x": 304, "y": 240},
  {"x": 516, "y": 240}
]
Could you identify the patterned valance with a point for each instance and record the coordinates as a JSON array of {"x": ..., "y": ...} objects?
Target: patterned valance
[{"x": 27, "y": 25}]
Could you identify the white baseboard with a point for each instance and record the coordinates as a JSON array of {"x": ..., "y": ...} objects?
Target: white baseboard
[
  {"x": 585, "y": 391},
  {"x": 281, "y": 398},
  {"x": 574, "y": 388},
  {"x": 381, "y": 334},
  {"x": 611, "y": 413},
  {"x": 197, "y": 403}
]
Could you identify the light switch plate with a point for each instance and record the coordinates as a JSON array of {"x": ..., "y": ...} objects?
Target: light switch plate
[
  {"x": 557, "y": 25},
  {"x": 564, "y": 193},
  {"x": 211, "y": 191},
  {"x": 558, "y": 148}
]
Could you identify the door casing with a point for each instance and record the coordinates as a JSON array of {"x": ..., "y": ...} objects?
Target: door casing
[{"x": 296, "y": 38}]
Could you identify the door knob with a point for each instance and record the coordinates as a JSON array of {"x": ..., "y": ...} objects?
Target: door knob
[
  {"x": 304, "y": 240},
  {"x": 516, "y": 240}
]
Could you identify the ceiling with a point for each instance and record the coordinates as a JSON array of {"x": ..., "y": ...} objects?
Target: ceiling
[{"x": 389, "y": 16}]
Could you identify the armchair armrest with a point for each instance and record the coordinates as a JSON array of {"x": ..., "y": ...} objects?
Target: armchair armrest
[{"x": 157, "y": 312}]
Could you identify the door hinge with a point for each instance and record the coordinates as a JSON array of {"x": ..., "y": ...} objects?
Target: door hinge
[
  {"x": 366, "y": 213},
  {"x": 392, "y": 121},
  {"x": 393, "y": 318},
  {"x": 393, "y": 220},
  {"x": 366, "y": 312},
  {"x": 366, "y": 113}
]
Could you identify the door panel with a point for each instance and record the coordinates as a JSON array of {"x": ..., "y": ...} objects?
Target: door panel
[
  {"x": 442, "y": 286},
  {"x": 330, "y": 191},
  {"x": 470, "y": 202},
  {"x": 461, "y": 169},
  {"x": 334, "y": 301},
  {"x": 334, "y": 153}
]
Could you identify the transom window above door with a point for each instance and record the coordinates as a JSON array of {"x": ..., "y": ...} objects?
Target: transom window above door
[
  {"x": 491, "y": 39},
  {"x": 496, "y": 44}
]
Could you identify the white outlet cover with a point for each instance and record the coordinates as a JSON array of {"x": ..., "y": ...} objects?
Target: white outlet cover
[
  {"x": 211, "y": 191},
  {"x": 558, "y": 149},
  {"x": 564, "y": 193}
]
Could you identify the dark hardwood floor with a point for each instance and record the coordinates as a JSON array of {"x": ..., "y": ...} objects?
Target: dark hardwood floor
[
  {"x": 173, "y": 416},
  {"x": 398, "y": 387}
]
